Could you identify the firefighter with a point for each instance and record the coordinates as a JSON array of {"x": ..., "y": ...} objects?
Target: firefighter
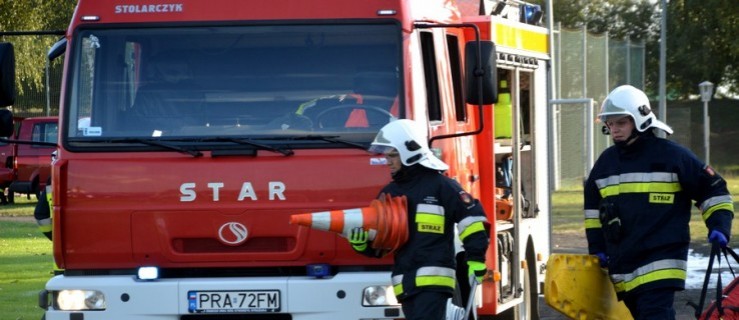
[
  {"x": 169, "y": 99},
  {"x": 372, "y": 103},
  {"x": 637, "y": 206},
  {"x": 423, "y": 275},
  {"x": 42, "y": 211}
]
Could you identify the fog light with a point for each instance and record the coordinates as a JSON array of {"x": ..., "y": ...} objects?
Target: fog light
[
  {"x": 70, "y": 300},
  {"x": 376, "y": 296},
  {"x": 148, "y": 273},
  {"x": 318, "y": 270}
]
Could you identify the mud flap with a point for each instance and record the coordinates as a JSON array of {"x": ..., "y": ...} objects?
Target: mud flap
[{"x": 577, "y": 287}]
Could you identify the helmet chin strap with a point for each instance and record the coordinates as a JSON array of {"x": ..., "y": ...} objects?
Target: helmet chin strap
[{"x": 629, "y": 140}]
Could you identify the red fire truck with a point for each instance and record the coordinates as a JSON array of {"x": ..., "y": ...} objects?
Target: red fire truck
[{"x": 190, "y": 131}]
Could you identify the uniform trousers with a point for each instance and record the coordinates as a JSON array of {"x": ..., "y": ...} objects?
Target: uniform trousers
[
  {"x": 654, "y": 304},
  {"x": 426, "y": 305}
]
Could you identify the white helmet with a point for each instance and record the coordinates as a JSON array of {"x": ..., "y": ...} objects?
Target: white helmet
[
  {"x": 629, "y": 101},
  {"x": 407, "y": 137}
]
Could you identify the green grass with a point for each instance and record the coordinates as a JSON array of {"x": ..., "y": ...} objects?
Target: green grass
[
  {"x": 25, "y": 266},
  {"x": 23, "y": 207}
]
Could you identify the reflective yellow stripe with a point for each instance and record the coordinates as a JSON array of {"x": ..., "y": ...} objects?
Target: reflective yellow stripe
[
  {"x": 664, "y": 274},
  {"x": 711, "y": 210},
  {"x": 49, "y": 201},
  {"x": 429, "y": 218},
  {"x": 474, "y": 227},
  {"x": 435, "y": 281},
  {"x": 435, "y": 276},
  {"x": 397, "y": 284},
  {"x": 641, "y": 187},
  {"x": 44, "y": 228},
  {"x": 398, "y": 289},
  {"x": 592, "y": 224},
  {"x": 430, "y": 223},
  {"x": 634, "y": 177},
  {"x": 712, "y": 201},
  {"x": 592, "y": 214}
]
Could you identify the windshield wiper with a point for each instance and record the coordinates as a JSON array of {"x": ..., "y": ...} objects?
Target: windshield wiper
[
  {"x": 331, "y": 139},
  {"x": 246, "y": 141},
  {"x": 151, "y": 142}
]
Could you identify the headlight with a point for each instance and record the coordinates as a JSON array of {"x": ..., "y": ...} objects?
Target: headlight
[
  {"x": 377, "y": 296},
  {"x": 79, "y": 300}
]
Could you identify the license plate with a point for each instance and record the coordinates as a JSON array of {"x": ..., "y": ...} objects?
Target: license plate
[{"x": 233, "y": 301}]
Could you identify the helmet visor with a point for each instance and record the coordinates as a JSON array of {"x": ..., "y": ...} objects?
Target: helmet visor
[
  {"x": 380, "y": 149},
  {"x": 610, "y": 109}
]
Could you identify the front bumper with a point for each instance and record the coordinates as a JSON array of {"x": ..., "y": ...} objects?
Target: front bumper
[{"x": 301, "y": 297}]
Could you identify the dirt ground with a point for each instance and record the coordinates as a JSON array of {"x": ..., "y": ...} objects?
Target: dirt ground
[{"x": 576, "y": 243}]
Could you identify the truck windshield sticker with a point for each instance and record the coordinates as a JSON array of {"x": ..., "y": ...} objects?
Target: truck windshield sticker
[
  {"x": 92, "y": 131},
  {"x": 149, "y": 8},
  {"x": 94, "y": 42}
]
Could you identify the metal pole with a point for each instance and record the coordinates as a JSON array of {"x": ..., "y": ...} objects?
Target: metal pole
[
  {"x": 584, "y": 61},
  {"x": 551, "y": 130},
  {"x": 706, "y": 132},
  {"x": 590, "y": 124},
  {"x": 663, "y": 67},
  {"x": 608, "y": 77},
  {"x": 628, "y": 62},
  {"x": 48, "y": 89},
  {"x": 555, "y": 74}
]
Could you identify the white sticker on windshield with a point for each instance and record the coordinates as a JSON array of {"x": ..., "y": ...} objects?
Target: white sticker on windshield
[{"x": 92, "y": 131}]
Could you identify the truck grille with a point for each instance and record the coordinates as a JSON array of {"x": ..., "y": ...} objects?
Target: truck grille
[{"x": 255, "y": 245}]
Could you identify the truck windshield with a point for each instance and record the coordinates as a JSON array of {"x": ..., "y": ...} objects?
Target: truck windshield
[{"x": 256, "y": 81}]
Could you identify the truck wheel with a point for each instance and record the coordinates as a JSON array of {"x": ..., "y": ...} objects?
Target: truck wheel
[{"x": 530, "y": 307}]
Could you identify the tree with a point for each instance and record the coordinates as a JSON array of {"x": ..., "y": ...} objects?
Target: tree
[
  {"x": 701, "y": 37},
  {"x": 30, "y": 51},
  {"x": 620, "y": 18},
  {"x": 702, "y": 44}
]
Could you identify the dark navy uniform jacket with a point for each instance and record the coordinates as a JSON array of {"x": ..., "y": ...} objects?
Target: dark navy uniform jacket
[
  {"x": 637, "y": 211},
  {"x": 435, "y": 204}
]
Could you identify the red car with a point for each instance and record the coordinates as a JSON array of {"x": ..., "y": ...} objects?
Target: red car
[
  {"x": 7, "y": 174},
  {"x": 32, "y": 163}
]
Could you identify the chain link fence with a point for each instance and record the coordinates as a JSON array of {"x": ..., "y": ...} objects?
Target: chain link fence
[{"x": 586, "y": 66}]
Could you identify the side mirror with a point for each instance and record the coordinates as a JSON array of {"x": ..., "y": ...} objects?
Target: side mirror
[
  {"x": 6, "y": 123},
  {"x": 7, "y": 74},
  {"x": 481, "y": 79},
  {"x": 57, "y": 49}
]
